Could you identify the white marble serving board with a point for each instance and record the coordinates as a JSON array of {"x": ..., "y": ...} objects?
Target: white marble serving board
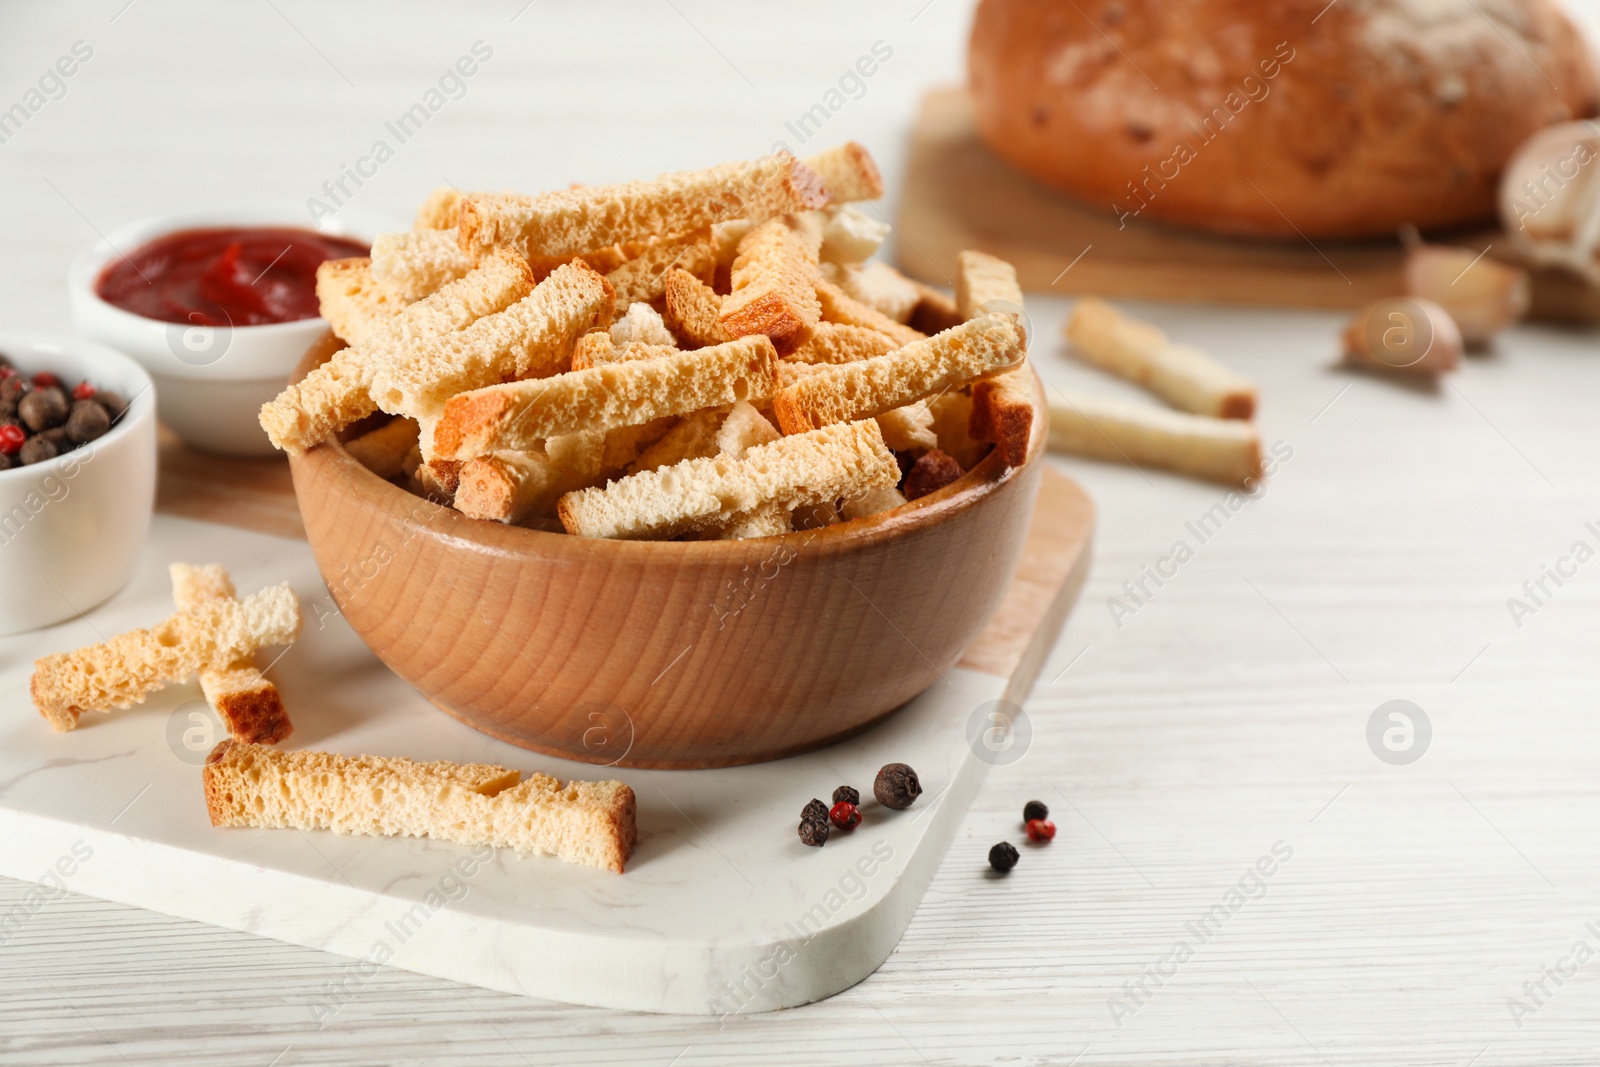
[{"x": 722, "y": 909}]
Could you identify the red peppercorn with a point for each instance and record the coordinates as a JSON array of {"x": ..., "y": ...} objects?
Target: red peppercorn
[
  {"x": 82, "y": 391},
  {"x": 6, "y": 372},
  {"x": 1041, "y": 830},
  {"x": 12, "y": 438},
  {"x": 845, "y": 815},
  {"x": 44, "y": 379}
]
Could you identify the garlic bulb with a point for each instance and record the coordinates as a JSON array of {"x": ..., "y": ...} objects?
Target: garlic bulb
[{"x": 1550, "y": 198}]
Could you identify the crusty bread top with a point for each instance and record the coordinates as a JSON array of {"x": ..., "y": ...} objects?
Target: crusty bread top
[
  {"x": 570, "y": 222},
  {"x": 518, "y": 415}
]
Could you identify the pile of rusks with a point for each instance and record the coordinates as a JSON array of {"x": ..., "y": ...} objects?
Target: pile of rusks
[{"x": 708, "y": 354}]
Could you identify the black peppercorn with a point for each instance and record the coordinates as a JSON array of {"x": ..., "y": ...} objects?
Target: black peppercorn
[
  {"x": 87, "y": 421},
  {"x": 1034, "y": 809},
  {"x": 814, "y": 832},
  {"x": 848, "y": 794},
  {"x": 43, "y": 409},
  {"x": 15, "y": 387},
  {"x": 896, "y": 786},
  {"x": 813, "y": 811},
  {"x": 1003, "y": 857},
  {"x": 37, "y": 450},
  {"x": 113, "y": 403}
]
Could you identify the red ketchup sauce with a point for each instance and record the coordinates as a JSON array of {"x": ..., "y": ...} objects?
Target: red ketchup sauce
[{"x": 223, "y": 277}]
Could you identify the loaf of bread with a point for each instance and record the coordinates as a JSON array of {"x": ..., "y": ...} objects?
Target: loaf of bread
[
  {"x": 592, "y": 823},
  {"x": 1297, "y": 117}
]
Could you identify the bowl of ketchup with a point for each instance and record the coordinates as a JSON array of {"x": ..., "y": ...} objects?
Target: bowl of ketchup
[{"x": 218, "y": 307}]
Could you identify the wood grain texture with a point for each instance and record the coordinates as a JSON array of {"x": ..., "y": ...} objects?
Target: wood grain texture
[
  {"x": 959, "y": 195},
  {"x": 253, "y": 494},
  {"x": 715, "y": 652}
]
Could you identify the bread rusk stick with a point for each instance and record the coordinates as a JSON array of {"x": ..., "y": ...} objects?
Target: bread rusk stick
[
  {"x": 1183, "y": 376},
  {"x": 531, "y": 338},
  {"x": 1002, "y": 412},
  {"x": 213, "y": 635},
  {"x": 339, "y": 392},
  {"x": 744, "y": 428},
  {"x": 908, "y": 428},
  {"x": 383, "y": 451},
  {"x": 415, "y": 263},
  {"x": 246, "y": 701},
  {"x": 516, "y": 415},
  {"x": 570, "y": 222},
  {"x": 831, "y": 342},
  {"x": 774, "y": 284},
  {"x": 692, "y": 437},
  {"x": 596, "y": 349},
  {"x": 870, "y": 502},
  {"x": 693, "y": 311},
  {"x": 849, "y": 173},
  {"x": 1002, "y": 407},
  {"x": 352, "y": 300},
  {"x": 642, "y": 322},
  {"x": 512, "y": 486},
  {"x": 985, "y": 283},
  {"x": 843, "y": 392},
  {"x": 767, "y": 521},
  {"x": 590, "y": 823},
  {"x": 1219, "y": 450},
  {"x": 952, "y": 418},
  {"x": 440, "y": 210},
  {"x": 797, "y": 471},
  {"x": 839, "y": 306},
  {"x": 877, "y": 285},
  {"x": 642, "y": 277}
]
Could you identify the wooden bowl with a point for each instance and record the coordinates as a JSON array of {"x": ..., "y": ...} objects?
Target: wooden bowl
[{"x": 659, "y": 653}]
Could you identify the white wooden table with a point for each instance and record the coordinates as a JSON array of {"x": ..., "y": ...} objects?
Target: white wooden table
[{"x": 1226, "y": 717}]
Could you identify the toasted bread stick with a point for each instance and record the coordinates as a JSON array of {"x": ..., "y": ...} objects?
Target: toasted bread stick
[
  {"x": 592, "y": 823},
  {"x": 877, "y": 285},
  {"x": 339, "y": 392},
  {"x": 1184, "y": 377},
  {"x": 418, "y": 262},
  {"x": 531, "y": 338},
  {"x": 847, "y": 391},
  {"x": 570, "y": 222},
  {"x": 693, "y": 311},
  {"x": 440, "y": 210},
  {"x": 1220, "y": 450},
  {"x": 214, "y": 635},
  {"x": 243, "y": 698},
  {"x": 793, "y": 472},
  {"x": 774, "y": 284},
  {"x": 831, "y": 342},
  {"x": 1003, "y": 412},
  {"x": 642, "y": 277},
  {"x": 849, "y": 173},
  {"x": 838, "y": 306},
  {"x": 383, "y": 451},
  {"x": 354, "y": 302},
  {"x": 519, "y": 414}
]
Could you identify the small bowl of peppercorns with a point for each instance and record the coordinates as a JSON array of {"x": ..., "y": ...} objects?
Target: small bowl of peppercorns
[{"x": 77, "y": 476}]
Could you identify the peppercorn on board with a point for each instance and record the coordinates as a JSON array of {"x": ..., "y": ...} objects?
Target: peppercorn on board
[{"x": 723, "y": 910}]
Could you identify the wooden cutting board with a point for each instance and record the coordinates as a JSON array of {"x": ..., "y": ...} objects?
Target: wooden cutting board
[{"x": 959, "y": 195}]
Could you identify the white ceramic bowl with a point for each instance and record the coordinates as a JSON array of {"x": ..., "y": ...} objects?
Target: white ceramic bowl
[
  {"x": 211, "y": 381},
  {"x": 72, "y": 528}
]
